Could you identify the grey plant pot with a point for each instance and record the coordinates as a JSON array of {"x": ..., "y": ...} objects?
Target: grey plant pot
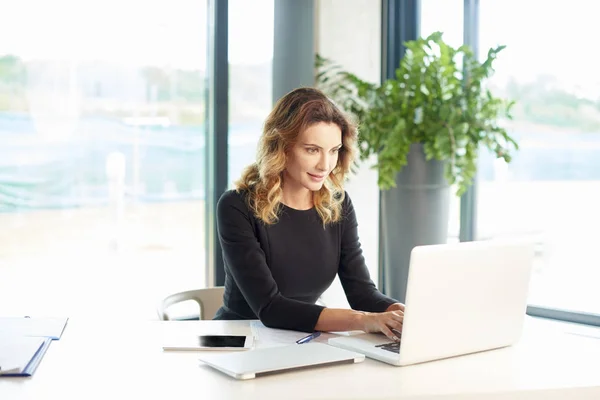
[{"x": 413, "y": 213}]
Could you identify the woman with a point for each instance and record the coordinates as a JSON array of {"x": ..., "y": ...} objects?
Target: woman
[{"x": 288, "y": 228}]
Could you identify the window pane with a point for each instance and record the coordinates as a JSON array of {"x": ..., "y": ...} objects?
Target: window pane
[
  {"x": 349, "y": 34},
  {"x": 251, "y": 25},
  {"x": 101, "y": 164},
  {"x": 446, "y": 16},
  {"x": 551, "y": 190}
]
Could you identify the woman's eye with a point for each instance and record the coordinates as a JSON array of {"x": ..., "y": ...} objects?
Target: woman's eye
[{"x": 312, "y": 150}]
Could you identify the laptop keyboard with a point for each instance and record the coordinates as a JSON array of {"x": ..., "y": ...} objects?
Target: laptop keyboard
[{"x": 394, "y": 347}]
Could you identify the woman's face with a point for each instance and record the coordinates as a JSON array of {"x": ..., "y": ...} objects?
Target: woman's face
[{"x": 314, "y": 156}]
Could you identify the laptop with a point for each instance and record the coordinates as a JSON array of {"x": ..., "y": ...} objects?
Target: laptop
[
  {"x": 460, "y": 299},
  {"x": 271, "y": 360}
]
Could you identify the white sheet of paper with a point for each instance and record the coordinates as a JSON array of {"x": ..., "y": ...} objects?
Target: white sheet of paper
[
  {"x": 34, "y": 326},
  {"x": 17, "y": 352},
  {"x": 269, "y": 337}
]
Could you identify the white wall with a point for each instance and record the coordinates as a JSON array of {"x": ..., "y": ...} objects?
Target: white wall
[{"x": 349, "y": 33}]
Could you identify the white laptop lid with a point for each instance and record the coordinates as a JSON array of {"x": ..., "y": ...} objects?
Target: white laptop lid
[
  {"x": 461, "y": 298},
  {"x": 270, "y": 360},
  {"x": 465, "y": 297}
]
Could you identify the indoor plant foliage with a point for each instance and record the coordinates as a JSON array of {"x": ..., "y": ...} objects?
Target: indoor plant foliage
[{"x": 438, "y": 98}]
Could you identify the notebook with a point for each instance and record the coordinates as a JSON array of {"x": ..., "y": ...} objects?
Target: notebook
[{"x": 267, "y": 361}]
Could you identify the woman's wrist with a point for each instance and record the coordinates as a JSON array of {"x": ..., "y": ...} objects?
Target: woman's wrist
[
  {"x": 337, "y": 319},
  {"x": 357, "y": 320}
]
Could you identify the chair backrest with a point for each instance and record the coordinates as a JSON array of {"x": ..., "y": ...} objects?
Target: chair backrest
[{"x": 209, "y": 300}]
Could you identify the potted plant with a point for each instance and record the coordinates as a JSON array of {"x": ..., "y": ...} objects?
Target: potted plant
[{"x": 424, "y": 128}]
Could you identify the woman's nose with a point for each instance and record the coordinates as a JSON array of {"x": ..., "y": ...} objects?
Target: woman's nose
[{"x": 323, "y": 162}]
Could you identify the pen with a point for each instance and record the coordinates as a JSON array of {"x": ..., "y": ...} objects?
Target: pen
[{"x": 308, "y": 338}]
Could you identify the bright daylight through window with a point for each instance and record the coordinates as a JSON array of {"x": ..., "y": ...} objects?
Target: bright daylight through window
[
  {"x": 551, "y": 190},
  {"x": 102, "y": 159}
]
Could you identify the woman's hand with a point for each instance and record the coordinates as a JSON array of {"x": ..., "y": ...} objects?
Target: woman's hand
[
  {"x": 383, "y": 322},
  {"x": 396, "y": 307},
  {"x": 388, "y": 322}
]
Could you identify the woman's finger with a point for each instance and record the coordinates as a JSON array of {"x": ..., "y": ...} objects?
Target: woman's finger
[
  {"x": 395, "y": 325},
  {"x": 387, "y": 332},
  {"x": 398, "y": 317}
]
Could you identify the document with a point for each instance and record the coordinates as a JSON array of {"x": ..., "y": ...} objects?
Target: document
[
  {"x": 269, "y": 337},
  {"x": 20, "y": 356},
  {"x": 32, "y": 326}
]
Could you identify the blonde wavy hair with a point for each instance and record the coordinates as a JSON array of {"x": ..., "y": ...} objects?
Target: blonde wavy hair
[{"x": 292, "y": 114}]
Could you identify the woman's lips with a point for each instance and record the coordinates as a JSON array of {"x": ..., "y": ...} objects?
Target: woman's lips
[{"x": 317, "y": 178}]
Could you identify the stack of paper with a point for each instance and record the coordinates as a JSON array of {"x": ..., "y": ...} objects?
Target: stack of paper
[
  {"x": 33, "y": 326},
  {"x": 20, "y": 356},
  {"x": 24, "y": 341}
]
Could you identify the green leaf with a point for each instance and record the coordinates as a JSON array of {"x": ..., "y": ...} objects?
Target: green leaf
[{"x": 438, "y": 97}]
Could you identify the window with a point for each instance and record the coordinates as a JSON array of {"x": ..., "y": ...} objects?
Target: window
[
  {"x": 349, "y": 33},
  {"x": 251, "y": 25},
  {"x": 551, "y": 189},
  {"x": 102, "y": 158},
  {"x": 446, "y": 16}
]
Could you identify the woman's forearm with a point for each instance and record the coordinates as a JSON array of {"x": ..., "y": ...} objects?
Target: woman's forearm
[{"x": 335, "y": 319}]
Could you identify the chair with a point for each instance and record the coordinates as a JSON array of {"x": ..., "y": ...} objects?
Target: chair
[{"x": 209, "y": 300}]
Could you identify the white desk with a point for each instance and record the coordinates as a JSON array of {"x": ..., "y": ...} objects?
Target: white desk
[{"x": 120, "y": 359}]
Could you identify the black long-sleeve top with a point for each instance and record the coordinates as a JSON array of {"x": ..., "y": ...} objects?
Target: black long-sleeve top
[{"x": 277, "y": 272}]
